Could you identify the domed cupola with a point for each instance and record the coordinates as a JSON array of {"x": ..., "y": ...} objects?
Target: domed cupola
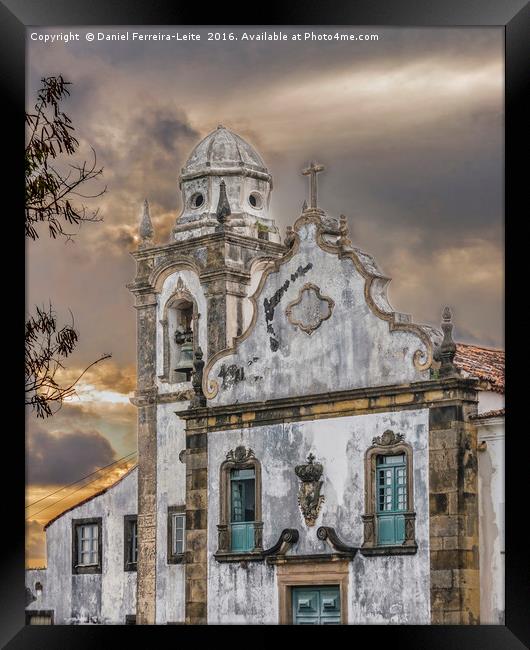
[{"x": 225, "y": 184}]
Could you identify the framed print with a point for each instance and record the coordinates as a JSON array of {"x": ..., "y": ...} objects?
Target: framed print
[{"x": 232, "y": 416}]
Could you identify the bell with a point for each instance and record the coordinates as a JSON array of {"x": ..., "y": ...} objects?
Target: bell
[{"x": 185, "y": 362}]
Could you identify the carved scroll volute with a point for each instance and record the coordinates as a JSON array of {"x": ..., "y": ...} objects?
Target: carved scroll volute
[
  {"x": 309, "y": 497},
  {"x": 369, "y": 538}
]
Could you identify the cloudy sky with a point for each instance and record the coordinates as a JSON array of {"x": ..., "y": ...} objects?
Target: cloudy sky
[{"x": 409, "y": 127}]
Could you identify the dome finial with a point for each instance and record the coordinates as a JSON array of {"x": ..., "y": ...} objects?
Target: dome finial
[
  {"x": 447, "y": 349},
  {"x": 220, "y": 126}
]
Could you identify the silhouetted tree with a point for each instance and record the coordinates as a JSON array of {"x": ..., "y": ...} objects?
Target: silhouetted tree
[
  {"x": 46, "y": 347},
  {"x": 49, "y": 191},
  {"x": 49, "y": 195}
]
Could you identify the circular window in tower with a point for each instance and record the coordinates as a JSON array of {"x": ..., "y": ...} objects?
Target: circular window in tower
[
  {"x": 197, "y": 200},
  {"x": 256, "y": 200}
]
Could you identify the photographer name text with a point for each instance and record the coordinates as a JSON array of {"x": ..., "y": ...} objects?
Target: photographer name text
[{"x": 274, "y": 36}]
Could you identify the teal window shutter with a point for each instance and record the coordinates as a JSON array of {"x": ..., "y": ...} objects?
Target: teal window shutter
[
  {"x": 391, "y": 491},
  {"x": 242, "y": 509}
]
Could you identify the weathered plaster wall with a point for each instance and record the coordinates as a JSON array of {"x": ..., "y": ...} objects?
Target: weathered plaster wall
[
  {"x": 490, "y": 401},
  {"x": 100, "y": 598},
  {"x": 171, "y": 491},
  {"x": 394, "y": 589},
  {"x": 491, "y": 520},
  {"x": 353, "y": 348}
]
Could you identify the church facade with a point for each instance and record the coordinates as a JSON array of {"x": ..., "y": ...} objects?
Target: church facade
[{"x": 306, "y": 454}]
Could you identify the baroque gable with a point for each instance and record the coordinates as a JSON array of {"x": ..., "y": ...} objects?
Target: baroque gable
[{"x": 321, "y": 321}]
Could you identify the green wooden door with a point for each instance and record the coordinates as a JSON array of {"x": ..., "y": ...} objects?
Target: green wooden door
[{"x": 316, "y": 605}]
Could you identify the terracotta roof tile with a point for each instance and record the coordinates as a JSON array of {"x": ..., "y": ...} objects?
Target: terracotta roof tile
[
  {"x": 499, "y": 413},
  {"x": 487, "y": 364}
]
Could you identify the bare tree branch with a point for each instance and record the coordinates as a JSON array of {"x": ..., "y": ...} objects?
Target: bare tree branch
[
  {"x": 48, "y": 200},
  {"x": 50, "y": 133}
]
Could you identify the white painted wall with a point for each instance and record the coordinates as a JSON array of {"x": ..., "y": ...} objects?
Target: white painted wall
[
  {"x": 171, "y": 491},
  {"x": 381, "y": 589},
  {"x": 353, "y": 348},
  {"x": 171, "y": 439},
  {"x": 491, "y": 520},
  {"x": 489, "y": 400},
  {"x": 101, "y": 598}
]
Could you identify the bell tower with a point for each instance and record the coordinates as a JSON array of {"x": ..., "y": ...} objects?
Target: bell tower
[{"x": 191, "y": 298}]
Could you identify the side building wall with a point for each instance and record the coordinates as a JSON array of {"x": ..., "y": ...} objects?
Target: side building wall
[
  {"x": 99, "y": 598},
  {"x": 491, "y": 519},
  {"x": 171, "y": 491},
  {"x": 381, "y": 588}
]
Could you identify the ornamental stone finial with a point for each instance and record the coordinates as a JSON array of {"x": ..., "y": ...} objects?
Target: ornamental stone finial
[
  {"x": 145, "y": 229},
  {"x": 447, "y": 350},
  {"x": 289, "y": 237},
  {"x": 223, "y": 207},
  {"x": 199, "y": 399},
  {"x": 344, "y": 241}
]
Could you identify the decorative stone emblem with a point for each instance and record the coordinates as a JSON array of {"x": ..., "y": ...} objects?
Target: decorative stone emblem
[
  {"x": 388, "y": 438},
  {"x": 309, "y": 497},
  {"x": 240, "y": 455},
  {"x": 310, "y": 309}
]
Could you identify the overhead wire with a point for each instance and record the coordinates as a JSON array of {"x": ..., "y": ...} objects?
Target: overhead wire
[{"x": 34, "y": 514}]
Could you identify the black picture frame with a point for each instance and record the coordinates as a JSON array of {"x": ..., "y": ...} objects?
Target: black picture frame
[{"x": 514, "y": 15}]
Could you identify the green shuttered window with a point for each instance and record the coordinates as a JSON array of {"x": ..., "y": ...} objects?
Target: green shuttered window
[
  {"x": 391, "y": 477},
  {"x": 242, "y": 509}
]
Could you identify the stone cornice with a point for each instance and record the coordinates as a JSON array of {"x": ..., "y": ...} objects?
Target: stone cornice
[
  {"x": 187, "y": 246},
  {"x": 361, "y": 400}
]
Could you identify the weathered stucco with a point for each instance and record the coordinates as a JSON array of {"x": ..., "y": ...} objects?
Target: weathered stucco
[
  {"x": 103, "y": 598},
  {"x": 491, "y": 515},
  {"x": 304, "y": 351},
  {"x": 352, "y": 348},
  {"x": 381, "y": 589},
  {"x": 171, "y": 491}
]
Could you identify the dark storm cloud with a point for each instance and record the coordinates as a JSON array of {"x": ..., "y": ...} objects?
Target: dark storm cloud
[
  {"x": 410, "y": 129},
  {"x": 169, "y": 131},
  {"x": 60, "y": 458}
]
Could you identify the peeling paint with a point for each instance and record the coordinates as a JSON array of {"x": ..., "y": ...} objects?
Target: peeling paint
[{"x": 382, "y": 589}]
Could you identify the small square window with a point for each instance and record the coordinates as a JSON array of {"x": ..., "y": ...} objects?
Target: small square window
[
  {"x": 130, "y": 536},
  {"x": 39, "y": 617},
  {"x": 179, "y": 527},
  {"x": 176, "y": 534},
  {"x": 86, "y": 545}
]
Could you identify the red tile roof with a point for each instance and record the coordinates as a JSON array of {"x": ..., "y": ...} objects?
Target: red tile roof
[
  {"x": 499, "y": 413},
  {"x": 485, "y": 363}
]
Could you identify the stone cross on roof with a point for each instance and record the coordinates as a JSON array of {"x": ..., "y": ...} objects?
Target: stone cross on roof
[{"x": 312, "y": 171}]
